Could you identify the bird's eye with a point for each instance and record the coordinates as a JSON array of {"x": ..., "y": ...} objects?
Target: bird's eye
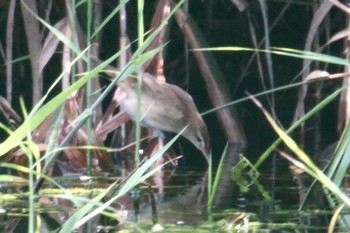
[{"x": 199, "y": 140}]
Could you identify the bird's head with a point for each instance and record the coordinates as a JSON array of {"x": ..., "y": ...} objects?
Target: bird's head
[{"x": 197, "y": 133}]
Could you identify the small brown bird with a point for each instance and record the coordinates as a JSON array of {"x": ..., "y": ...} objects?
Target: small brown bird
[{"x": 166, "y": 107}]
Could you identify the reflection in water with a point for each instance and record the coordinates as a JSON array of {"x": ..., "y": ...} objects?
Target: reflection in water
[{"x": 243, "y": 201}]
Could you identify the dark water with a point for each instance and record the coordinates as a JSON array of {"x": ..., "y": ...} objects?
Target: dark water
[{"x": 245, "y": 202}]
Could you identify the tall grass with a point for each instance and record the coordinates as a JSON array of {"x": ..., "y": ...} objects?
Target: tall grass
[
  {"x": 76, "y": 53},
  {"x": 330, "y": 178},
  {"x": 46, "y": 107}
]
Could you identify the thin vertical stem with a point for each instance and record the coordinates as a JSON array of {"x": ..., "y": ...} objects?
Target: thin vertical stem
[
  {"x": 268, "y": 55},
  {"x": 71, "y": 12},
  {"x": 33, "y": 35},
  {"x": 29, "y": 154},
  {"x": 88, "y": 86},
  {"x": 9, "y": 48},
  {"x": 122, "y": 61},
  {"x": 187, "y": 58},
  {"x": 139, "y": 80},
  {"x": 141, "y": 22}
]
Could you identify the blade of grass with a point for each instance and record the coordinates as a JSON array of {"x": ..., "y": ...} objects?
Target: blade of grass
[
  {"x": 286, "y": 52},
  {"x": 79, "y": 218},
  {"x": 109, "y": 17},
  {"x": 38, "y": 115},
  {"x": 316, "y": 172},
  {"x": 333, "y": 222},
  {"x": 212, "y": 188},
  {"x": 32, "y": 153},
  {"x": 73, "y": 46},
  {"x": 299, "y": 122},
  {"x": 340, "y": 162},
  {"x": 80, "y": 120}
]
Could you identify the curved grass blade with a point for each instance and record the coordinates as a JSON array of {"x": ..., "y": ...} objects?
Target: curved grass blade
[{"x": 315, "y": 171}]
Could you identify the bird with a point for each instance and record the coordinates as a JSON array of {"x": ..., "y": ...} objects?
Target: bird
[{"x": 165, "y": 107}]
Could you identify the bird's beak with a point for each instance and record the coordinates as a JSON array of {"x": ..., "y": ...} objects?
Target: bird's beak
[{"x": 207, "y": 154}]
